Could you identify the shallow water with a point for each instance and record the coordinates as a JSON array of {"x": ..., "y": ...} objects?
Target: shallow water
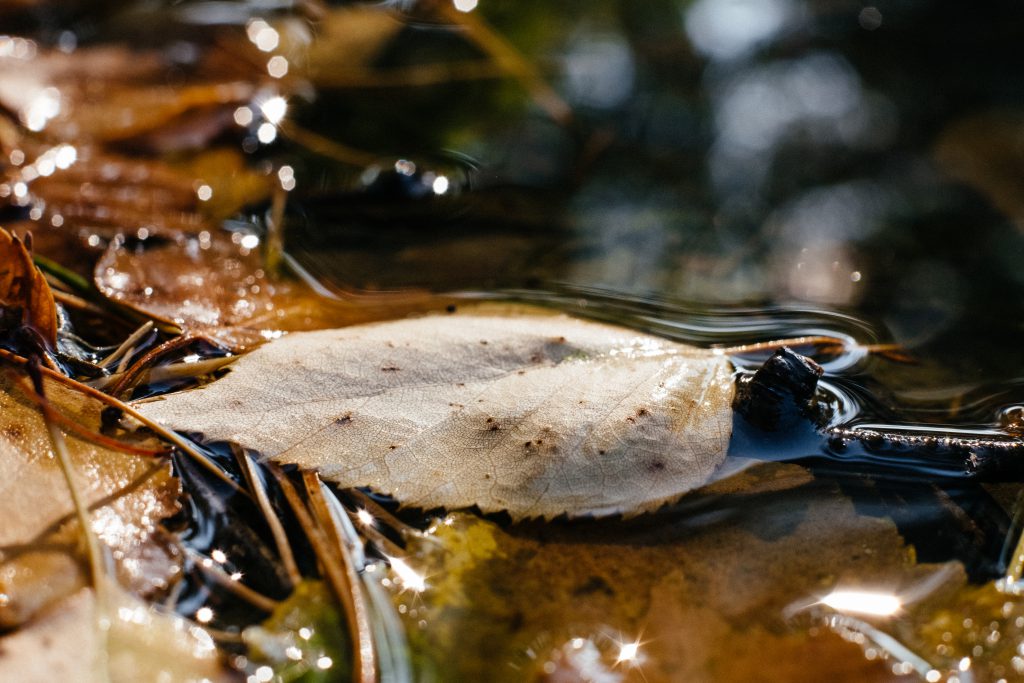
[{"x": 719, "y": 172}]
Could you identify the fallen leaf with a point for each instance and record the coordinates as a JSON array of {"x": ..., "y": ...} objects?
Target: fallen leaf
[
  {"x": 23, "y": 289},
  {"x": 276, "y": 642},
  {"x": 117, "y": 638},
  {"x": 40, "y": 554},
  {"x": 96, "y": 192},
  {"x": 216, "y": 285},
  {"x": 534, "y": 415},
  {"x": 108, "y": 93},
  {"x": 703, "y": 590}
]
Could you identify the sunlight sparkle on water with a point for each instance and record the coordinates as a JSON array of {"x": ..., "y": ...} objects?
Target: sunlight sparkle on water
[
  {"x": 365, "y": 518},
  {"x": 274, "y": 109},
  {"x": 466, "y": 5},
  {"x": 863, "y": 602},
  {"x": 409, "y": 577}
]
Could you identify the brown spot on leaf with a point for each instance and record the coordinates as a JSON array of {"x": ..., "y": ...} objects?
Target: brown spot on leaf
[{"x": 390, "y": 368}]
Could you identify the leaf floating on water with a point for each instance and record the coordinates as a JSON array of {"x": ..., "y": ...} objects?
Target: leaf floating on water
[
  {"x": 534, "y": 415},
  {"x": 40, "y": 557},
  {"x": 23, "y": 289},
  {"x": 117, "y": 635}
]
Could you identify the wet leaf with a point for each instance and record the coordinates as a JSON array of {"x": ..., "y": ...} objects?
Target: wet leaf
[
  {"x": 320, "y": 655},
  {"x": 23, "y": 289},
  {"x": 216, "y": 285},
  {"x": 117, "y": 638},
  {"x": 535, "y": 415},
  {"x": 40, "y": 556},
  {"x": 109, "y": 93},
  {"x": 103, "y": 193},
  {"x": 702, "y": 589}
]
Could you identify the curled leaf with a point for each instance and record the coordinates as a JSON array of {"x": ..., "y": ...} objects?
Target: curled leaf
[
  {"x": 24, "y": 293},
  {"x": 535, "y": 415}
]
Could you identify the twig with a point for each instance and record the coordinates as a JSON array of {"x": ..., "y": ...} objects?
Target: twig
[
  {"x": 337, "y": 577},
  {"x": 224, "y": 580},
  {"x": 127, "y": 344},
  {"x": 259, "y": 492},
  {"x": 891, "y": 351},
  {"x": 82, "y": 431},
  {"x": 130, "y": 376},
  {"x": 323, "y": 146},
  {"x": 510, "y": 59},
  {"x": 412, "y": 76}
]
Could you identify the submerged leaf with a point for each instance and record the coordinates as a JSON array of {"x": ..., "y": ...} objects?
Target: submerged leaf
[
  {"x": 703, "y": 590},
  {"x": 315, "y": 657},
  {"x": 23, "y": 290},
  {"x": 116, "y": 635},
  {"x": 40, "y": 557},
  {"x": 535, "y": 415}
]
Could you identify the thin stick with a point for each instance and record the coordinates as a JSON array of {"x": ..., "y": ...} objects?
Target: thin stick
[
  {"x": 72, "y": 301},
  {"x": 381, "y": 513},
  {"x": 128, "y": 343},
  {"x": 159, "y": 429},
  {"x": 273, "y": 248},
  {"x": 259, "y": 492},
  {"x": 171, "y": 371},
  {"x": 60, "y": 449},
  {"x": 411, "y": 76},
  {"x": 510, "y": 59},
  {"x": 337, "y": 577},
  {"x": 894, "y": 351},
  {"x": 326, "y": 147},
  {"x": 80, "y": 430},
  {"x": 129, "y": 378},
  {"x": 224, "y": 580},
  {"x": 360, "y": 628}
]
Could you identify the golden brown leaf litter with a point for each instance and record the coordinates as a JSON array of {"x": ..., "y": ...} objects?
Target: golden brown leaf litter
[
  {"x": 40, "y": 541},
  {"x": 216, "y": 284},
  {"x": 702, "y": 599}
]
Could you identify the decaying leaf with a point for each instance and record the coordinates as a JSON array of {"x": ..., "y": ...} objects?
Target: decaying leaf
[
  {"x": 217, "y": 285},
  {"x": 535, "y": 415},
  {"x": 23, "y": 289},
  {"x": 702, "y": 591},
  {"x": 116, "y": 638},
  {"x": 40, "y": 553}
]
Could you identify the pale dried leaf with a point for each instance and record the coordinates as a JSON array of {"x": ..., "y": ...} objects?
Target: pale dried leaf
[{"x": 534, "y": 415}]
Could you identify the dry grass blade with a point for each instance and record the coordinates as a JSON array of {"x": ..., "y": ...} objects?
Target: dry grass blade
[
  {"x": 232, "y": 585},
  {"x": 339, "y": 579},
  {"x": 259, "y": 492},
  {"x": 359, "y": 610},
  {"x": 96, "y": 564}
]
